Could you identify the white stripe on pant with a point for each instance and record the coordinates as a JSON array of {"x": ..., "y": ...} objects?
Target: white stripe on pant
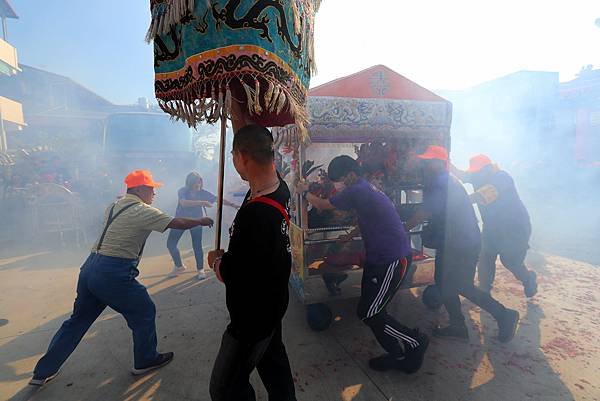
[
  {"x": 402, "y": 337},
  {"x": 383, "y": 290}
]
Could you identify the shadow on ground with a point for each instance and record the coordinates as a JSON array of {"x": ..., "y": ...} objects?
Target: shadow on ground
[{"x": 330, "y": 365}]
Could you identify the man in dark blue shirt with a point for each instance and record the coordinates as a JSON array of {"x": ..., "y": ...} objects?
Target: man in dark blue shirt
[
  {"x": 453, "y": 232},
  {"x": 506, "y": 223}
]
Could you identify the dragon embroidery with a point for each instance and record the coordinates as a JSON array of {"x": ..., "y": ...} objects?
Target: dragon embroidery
[
  {"x": 162, "y": 51},
  {"x": 255, "y": 19}
]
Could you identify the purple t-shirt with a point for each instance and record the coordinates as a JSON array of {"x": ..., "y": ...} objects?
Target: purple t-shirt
[{"x": 380, "y": 225}]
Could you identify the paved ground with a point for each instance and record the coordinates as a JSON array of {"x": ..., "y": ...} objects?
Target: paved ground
[{"x": 555, "y": 355}]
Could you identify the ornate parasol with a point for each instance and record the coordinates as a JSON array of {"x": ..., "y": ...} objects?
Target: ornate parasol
[{"x": 250, "y": 60}]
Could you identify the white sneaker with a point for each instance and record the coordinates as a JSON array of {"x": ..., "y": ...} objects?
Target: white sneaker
[
  {"x": 201, "y": 275},
  {"x": 177, "y": 270}
]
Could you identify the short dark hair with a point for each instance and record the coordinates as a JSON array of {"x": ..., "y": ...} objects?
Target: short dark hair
[
  {"x": 134, "y": 190},
  {"x": 256, "y": 142},
  {"x": 341, "y": 166}
]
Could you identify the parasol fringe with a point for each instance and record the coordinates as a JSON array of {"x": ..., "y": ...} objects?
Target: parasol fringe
[
  {"x": 274, "y": 99},
  {"x": 281, "y": 102},
  {"x": 297, "y": 17},
  {"x": 228, "y": 99},
  {"x": 257, "y": 108},
  {"x": 165, "y": 14},
  {"x": 249, "y": 97},
  {"x": 220, "y": 104},
  {"x": 204, "y": 102},
  {"x": 269, "y": 95}
]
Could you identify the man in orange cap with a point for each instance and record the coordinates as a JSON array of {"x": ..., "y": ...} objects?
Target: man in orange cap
[
  {"x": 108, "y": 278},
  {"x": 506, "y": 223},
  {"x": 453, "y": 231}
]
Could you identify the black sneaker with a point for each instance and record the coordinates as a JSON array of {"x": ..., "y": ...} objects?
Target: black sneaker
[
  {"x": 414, "y": 356},
  {"x": 40, "y": 381},
  {"x": 162, "y": 360},
  {"x": 333, "y": 281},
  {"x": 508, "y": 325},
  {"x": 530, "y": 286},
  {"x": 453, "y": 331},
  {"x": 386, "y": 362}
]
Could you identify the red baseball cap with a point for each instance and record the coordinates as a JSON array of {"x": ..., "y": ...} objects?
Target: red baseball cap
[
  {"x": 434, "y": 152},
  {"x": 141, "y": 178},
  {"x": 478, "y": 162}
]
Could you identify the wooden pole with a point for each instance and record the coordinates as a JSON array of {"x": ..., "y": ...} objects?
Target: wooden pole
[{"x": 221, "y": 176}]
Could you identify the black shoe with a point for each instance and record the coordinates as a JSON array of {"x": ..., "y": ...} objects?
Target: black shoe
[
  {"x": 340, "y": 278},
  {"x": 414, "y": 356},
  {"x": 333, "y": 281},
  {"x": 508, "y": 325},
  {"x": 453, "y": 331},
  {"x": 40, "y": 381},
  {"x": 386, "y": 362},
  {"x": 486, "y": 290},
  {"x": 162, "y": 360},
  {"x": 530, "y": 286}
]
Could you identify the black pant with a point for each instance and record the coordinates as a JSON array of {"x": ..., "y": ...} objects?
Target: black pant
[
  {"x": 512, "y": 255},
  {"x": 379, "y": 285},
  {"x": 455, "y": 275},
  {"x": 235, "y": 362}
]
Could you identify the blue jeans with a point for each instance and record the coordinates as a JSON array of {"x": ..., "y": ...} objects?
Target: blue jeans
[
  {"x": 173, "y": 240},
  {"x": 105, "y": 281}
]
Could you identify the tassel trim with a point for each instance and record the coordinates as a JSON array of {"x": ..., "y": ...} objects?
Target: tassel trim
[
  {"x": 166, "y": 14},
  {"x": 204, "y": 101}
]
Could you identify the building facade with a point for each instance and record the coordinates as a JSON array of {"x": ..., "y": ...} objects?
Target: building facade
[{"x": 11, "y": 111}]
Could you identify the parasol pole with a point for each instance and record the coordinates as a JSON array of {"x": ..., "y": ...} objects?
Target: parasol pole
[{"x": 224, "y": 112}]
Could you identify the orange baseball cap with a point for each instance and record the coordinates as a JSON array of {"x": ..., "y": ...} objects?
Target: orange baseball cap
[
  {"x": 478, "y": 162},
  {"x": 434, "y": 152},
  {"x": 141, "y": 178}
]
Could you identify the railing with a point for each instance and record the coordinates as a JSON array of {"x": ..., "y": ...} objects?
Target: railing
[{"x": 8, "y": 55}]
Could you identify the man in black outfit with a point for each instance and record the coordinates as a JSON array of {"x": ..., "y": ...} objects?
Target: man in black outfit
[
  {"x": 255, "y": 270},
  {"x": 506, "y": 223},
  {"x": 454, "y": 233}
]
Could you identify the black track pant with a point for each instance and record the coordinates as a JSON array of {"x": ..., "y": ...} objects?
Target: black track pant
[
  {"x": 512, "y": 255},
  {"x": 379, "y": 285},
  {"x": 455, "y": 273}
]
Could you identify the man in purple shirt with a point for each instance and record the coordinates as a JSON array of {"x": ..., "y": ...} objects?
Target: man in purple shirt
[{"x": 388, "y": 258}]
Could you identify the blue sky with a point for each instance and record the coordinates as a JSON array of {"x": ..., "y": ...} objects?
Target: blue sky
[
  {"x": 440, "y": 44},
  {"x": 100, "y": 44}
]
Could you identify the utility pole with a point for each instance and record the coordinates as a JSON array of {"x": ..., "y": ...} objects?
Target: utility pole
[
  {"x": 3, "y": 140},
  {"x": 4, "y": 29}
]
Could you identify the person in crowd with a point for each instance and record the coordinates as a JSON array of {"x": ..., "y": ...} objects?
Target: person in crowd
[
  {"x": 255, "y": 270},
  {"x": 192, "y": 202},
  {"x": 506, "y": 223},
  {"x": 388, "y": 257},
  {"x": 108, "y": 278},
  {"x": 453, "y": 231}
]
